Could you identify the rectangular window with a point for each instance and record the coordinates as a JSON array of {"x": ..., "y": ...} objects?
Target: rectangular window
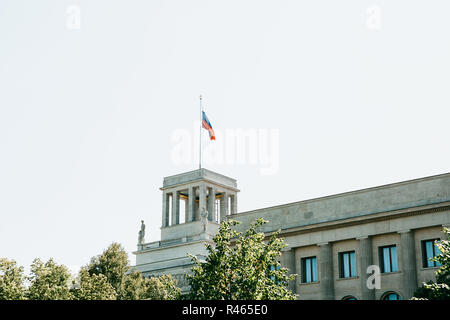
[
  {"x": 272, "y": 267},
  {"x": 429, "y": 251},
  {"x": 309, "y": 269},
  {"x": 388, "y": 259},
  {"x": 347, "y": 264}
]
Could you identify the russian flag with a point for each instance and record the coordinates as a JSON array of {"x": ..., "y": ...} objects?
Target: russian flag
[{"x": 207, "y": 125}]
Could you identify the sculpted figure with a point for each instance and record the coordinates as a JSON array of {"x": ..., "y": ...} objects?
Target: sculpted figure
[{"x": 141, "y": 233}]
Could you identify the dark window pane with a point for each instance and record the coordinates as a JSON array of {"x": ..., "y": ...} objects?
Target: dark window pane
[
  {"x": 308, "y": 270},
  {"x": 314, "y": 269},
  {"x": 429, "y": 253},
  {"x": 386, "y": 260},
  {"x": 352, "y": 264},
  {"x": 349, "y": 298},
  {"x": 345, "y": 258},
  {"x": 394, "y": 261},
  {"x": 392, "y": 296}
]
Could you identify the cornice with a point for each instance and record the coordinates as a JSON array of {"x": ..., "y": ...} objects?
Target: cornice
[{"x": 360, "y": 220}]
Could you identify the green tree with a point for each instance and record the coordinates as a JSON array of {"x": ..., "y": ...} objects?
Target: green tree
[
  {"x": 128, "y": 283},
  {"x": 163, "y": 287},
  {"x": 49, "y": 281},
  {"x": 113, "y": 264},
  {"x": 246, "y": 270},
  {"x": 11, "y": 280},
  {"x": 133, "y": 287},
  {"x": 108, "y": 276},
  {"x": 439, "y": 290},
  {"x": 93, "y": 287},
  {"x": 136, "y": 287}
]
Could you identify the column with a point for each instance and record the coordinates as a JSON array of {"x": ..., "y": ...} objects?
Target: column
[
  {"x": 202, "y": 200},
  {"x": 408, "y": 259},
  {"x": 233, "y": 208},
  {"x": 197, "y": 211},
  {"x": 165, "y": 209},
  {"x": 191, "y": 205},
  {"x": 365, "y": 260},
  {"x": 326, "y": 285},
  {"x": 211, "y": 203},
  {"x": 223, "y": 206},
  {"x": 175, "y": 207},
  {"x": 288, "y": 261}
]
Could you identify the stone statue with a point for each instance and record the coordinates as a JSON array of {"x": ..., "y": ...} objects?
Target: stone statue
[{"x": 141, "y": 233}]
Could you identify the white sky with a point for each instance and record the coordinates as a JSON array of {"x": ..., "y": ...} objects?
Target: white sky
[{"x": 87, "y": 116}]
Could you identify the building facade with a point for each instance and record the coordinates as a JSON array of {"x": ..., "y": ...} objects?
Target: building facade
[{"x": 337, "y": 245}]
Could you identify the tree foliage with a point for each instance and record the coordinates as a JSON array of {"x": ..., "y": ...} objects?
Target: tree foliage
[
  {"x": 49, "y": 281},
  {"x": 137, "y": 287},
  {"x": 11, "y": 280},
  {"x": 108, "y": 276},
  {"x": 439, "y": 290},
  {"x": 133, "y": 287},
  {"x": 113, "y": 264},
  {"x": 163, "y": 287},
  {"x": 246, "y": 270},
  {"x": 128, "y": 283},
  {"x": 93, "y": 287}
]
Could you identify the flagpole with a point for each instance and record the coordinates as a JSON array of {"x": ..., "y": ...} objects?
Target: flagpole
[{"x": 200, "y": 149}]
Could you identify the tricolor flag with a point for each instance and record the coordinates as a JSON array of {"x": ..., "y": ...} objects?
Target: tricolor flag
[{"x": 207, "y": 125}]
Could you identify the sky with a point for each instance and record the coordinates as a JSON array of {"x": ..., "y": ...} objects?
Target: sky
[{"x": 99, "y": 101}]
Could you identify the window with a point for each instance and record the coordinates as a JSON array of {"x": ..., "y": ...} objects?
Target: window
[
  {"x": 429, "y": 251},
  {"x": 272, "y": 267},
  {"x": 347, "y": 264},
  {"x": 309, "y": 269},
  {"x": 388, "y": 259},
  {"x": 391, "y": 296}
]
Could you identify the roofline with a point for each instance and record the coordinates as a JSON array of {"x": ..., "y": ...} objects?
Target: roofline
[
  {"x": 337, "y": 195},
  {"x": 196, "y": 170}
]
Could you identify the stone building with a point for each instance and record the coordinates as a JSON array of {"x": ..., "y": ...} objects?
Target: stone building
[{"x": 332, "y": 241}]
